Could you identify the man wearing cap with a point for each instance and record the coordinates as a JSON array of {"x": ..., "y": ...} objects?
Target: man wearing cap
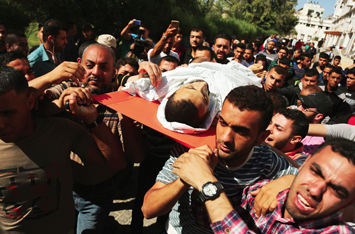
[
  {"x": 315, "y": 106},
  {"x": 87, "y": 30},
  {"x": 164, "y": 45},
  {"x": 108, "y": 40}
]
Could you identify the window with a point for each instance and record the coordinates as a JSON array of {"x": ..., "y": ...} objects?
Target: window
[{"x": 307, "y": 25}]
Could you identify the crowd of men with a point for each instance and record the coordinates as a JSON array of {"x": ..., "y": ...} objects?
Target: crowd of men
[{"x": 272, "y": 170}]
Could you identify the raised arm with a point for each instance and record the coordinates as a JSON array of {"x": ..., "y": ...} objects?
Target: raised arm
[
  {"x": 125, "y": 33},
  {"x": 158, "y": 48}
]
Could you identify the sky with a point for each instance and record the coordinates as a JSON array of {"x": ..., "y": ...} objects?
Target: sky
[{"x": 328, "y": 5}]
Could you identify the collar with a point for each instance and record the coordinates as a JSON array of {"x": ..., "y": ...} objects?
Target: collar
[
  {"x": 240, "y": 166},
  {"x": 296, "y": 150}
]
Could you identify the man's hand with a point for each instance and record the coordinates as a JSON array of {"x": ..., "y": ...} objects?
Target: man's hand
[
  {"x": 193, "y": 170},
  {"x": 171, "y": 31},
  {"x": 82, "y": 95},
  {"x": 67, "y": 71},
  {"x": 153, "y": 71},
  {"x": 131, "y": 23},
  {"x": 206, "y": 153},
  {"x": 88, "y": 114},
  {"x": 265, "y": 200}
]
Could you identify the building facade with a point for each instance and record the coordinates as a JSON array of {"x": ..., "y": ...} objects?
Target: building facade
[
  {"x": 341, "y": 35},
  {"x": 311, "y": 26}
]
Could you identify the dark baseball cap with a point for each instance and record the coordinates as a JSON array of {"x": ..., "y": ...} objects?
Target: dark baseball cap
[
  {"x": 87, "y": 27},
  {"x": 319, "y": 100}
]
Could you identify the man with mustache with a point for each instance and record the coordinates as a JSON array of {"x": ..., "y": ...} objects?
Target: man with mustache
[{"x": 222, "y": 47}]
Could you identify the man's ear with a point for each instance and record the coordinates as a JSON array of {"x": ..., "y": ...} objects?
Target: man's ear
[
  {"x": 262, "y": 136},
  {"x": 318, "y": 117},
  {"x": 78, "y": 60},
  {"x": 30, "y": 101},
  {"x": 295, "y": 139},
  {"x": 8, "y": 47}
]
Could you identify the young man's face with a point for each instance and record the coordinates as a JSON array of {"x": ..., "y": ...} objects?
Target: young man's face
[
  {"x": 20, "y": 46},
  {"x": 324, "y": 184},
  {"x": 309, "y": 80},
  {"x": 282, "y": 54},
  {"x": 196, "y": 39},
  {"x": 350, "y": 82},
  {"x": 40, "y": 35},
  {"x": 306, "y": 63},
  {"x": 196, "y": 92},
  {"x": 167, "y": 66},
  {"x": 248, "y": 55},
  {"x": 273, "y": 81},
  {"x": 237, "y": 132},
  {"x": 127, "y": 70},
  {"x": 178, "y": 38},
  {"x": 168, "y": 45},
  {"x": 326, "y": 72},
  {"x": 15, "y": 115},
  {"x": 322, "y": 62},
  {"x": 280, "y": 132},
  {"x": 99, "y": 66},
  {"x": 334, "y": 80},
  {"x": 310, "y": 112},
  {"x": 336, "y": 62},
  {"x": 24, "y": 66},
  {"x": 239, "y": 53},
  {"x": 221, "y": 48},
  {"x": 60, "y": 41},
  {"x": 271, "y": 45}
]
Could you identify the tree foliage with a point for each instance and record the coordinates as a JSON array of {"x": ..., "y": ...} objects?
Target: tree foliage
[{"x": 246, "y": 18}]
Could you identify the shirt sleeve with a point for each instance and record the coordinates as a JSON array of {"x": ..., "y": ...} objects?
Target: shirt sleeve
[
  {"x": 232, "y": 223},
  {"x": 341, "y": 130},
  {"x": 165, "y": 175},
  {"x": 282, "y": 167}
]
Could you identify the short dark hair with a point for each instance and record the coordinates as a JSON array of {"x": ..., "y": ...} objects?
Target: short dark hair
[
  {"x": 11, "y": 78},
  {"x": 262, "y": 57},
  {"x": 174, "y": 110},
  {"x": 40, "y": 25},
  {"x": 169, "y": 58},
  {"x": 253, "y": 98},
  {"x": 305, "y": 55},
  {"x": 224, "y": 36},
  {"x": 337, "y": 71},
  {"x": 328, "y": 65},
  {"x": 300, "y": 122},
  {"x": 279, "y": 101},
  {"x": 12, "y": 37},
  {"x": 299, "y": 51},
  {"x": 337, "y": 57},
  {"x": 342, "y": 146},
  {"x": 240, "y": 45},
  {"x": 196, "y": 30},
  {"x": 351, "y": 71},
  {"x": 290, "y": 51},
  {"x": 279, "y": 70},
  {"x": 313, "y": 88},
  {"x": 285, "y": 61},
  {"x": 324, "y": 55},
  {"x": 311, "y": 72},
  {"x": 8, "y": 57},
  {"x": 257, "y": 44},
  {"x": 83, "y": 46},
  {"x": 202, "y": 48},
  {"x": 69, "y": 25},
  {"x": 52, "y": 27},
  {"x": 126, "y": 60},
  {"x": 285, "y": 49},
  {"x": 250, "y": 47}
]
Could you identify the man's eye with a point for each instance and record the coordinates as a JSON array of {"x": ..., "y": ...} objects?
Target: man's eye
[{"x": 89, "y": 66}]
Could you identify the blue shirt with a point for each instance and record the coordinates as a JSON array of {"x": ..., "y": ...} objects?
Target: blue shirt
[{"x": 40, "y": 62}]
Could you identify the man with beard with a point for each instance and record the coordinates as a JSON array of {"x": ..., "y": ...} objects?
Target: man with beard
[
  {"x": 45, "y": 58},
  {"x": 322, "y": 61},
  {"x": 287, "y": 129},
  {"x": 164, "y": 45},
  {"x": 94, "y": 188},
  {"x": 222, "y": 47},
  {"x": 322, "y": 188},
  {"x": 303, "y": 65},
  {"x": 269, "y": 52},
  {"x": 196, "y": 40},
  {"x": 239, "y": 54},
  {"x": 249, "y": 54},
  {"x": 241, "y": 128}
]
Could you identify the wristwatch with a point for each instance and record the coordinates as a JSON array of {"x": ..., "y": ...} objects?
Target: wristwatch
[
  {"x": 210, "y": 191},
  {"x": 96, "y": 122}
]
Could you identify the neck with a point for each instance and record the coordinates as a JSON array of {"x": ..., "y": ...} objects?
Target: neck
[
  {"x": 236, "y": 163},
  {"x": 49, "y": 47}
]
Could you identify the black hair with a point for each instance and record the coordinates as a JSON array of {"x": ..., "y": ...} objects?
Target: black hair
[
  {"x": 253, "y": 98},
  {"x": 300, "y": 122},
  {"x": 342, "y": 146},
  {"x": 182, "y": 111},
  {"x": 250, "y": 47},
  {"x": 305, "y": 55},
  {"x": 196, "y": 30},
  {"x": 169, "y": 58},
  {"x": 311, "y": 72},
  {"x": 285, "y": 49},
  {"x": 279, "y": 70},
  {"x": 40, "y": 25},
  {"x": 337, "y": 57},
  {"x": 52, "y": 27},
  {"x": 126, "y": 60},
  {"x": 351, "y": 71},
  {"x": 279, "y": 101},
  {"x": 262, "y": 57},
  {"x": 11, "y": 78},
  {"x": 224, "y": 36},
  {"x": 8, "y": 57},
  {"x": 13, "y": 37},
  {"x": 324, "y": 55},
  {"x": 328, "y": 65},
  {"x": 337, "y": 71},
  {"x": 299, "y": 51},
  {"x": 240, "y": 45},
  {"x": 285, "y": 61},
  {"x": 257, "y": 44}
]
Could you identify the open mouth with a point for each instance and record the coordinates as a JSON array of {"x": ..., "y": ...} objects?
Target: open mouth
[{"x": 303, "y": 205}]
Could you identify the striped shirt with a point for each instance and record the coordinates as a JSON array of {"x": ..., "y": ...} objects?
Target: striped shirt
[
  {"x": 274, "y": 222},
  {"x": 187, "y": 216}
]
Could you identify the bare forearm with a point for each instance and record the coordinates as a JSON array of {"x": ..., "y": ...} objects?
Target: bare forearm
[
  {"x": 317, "y": 130},
  {"x": 218, "y": 208},
  {"x": 159, "y": 201},
  {"x": 158, "y": 48},
  {"x": 125, "y": 33}
]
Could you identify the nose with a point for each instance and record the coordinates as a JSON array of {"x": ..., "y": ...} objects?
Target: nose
[
  {"x": 96, "y": 70},
  {"x": 317, "y": 189},
  {"x": 202, "y": 86},
  {"x": 227, "y": 137}
]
